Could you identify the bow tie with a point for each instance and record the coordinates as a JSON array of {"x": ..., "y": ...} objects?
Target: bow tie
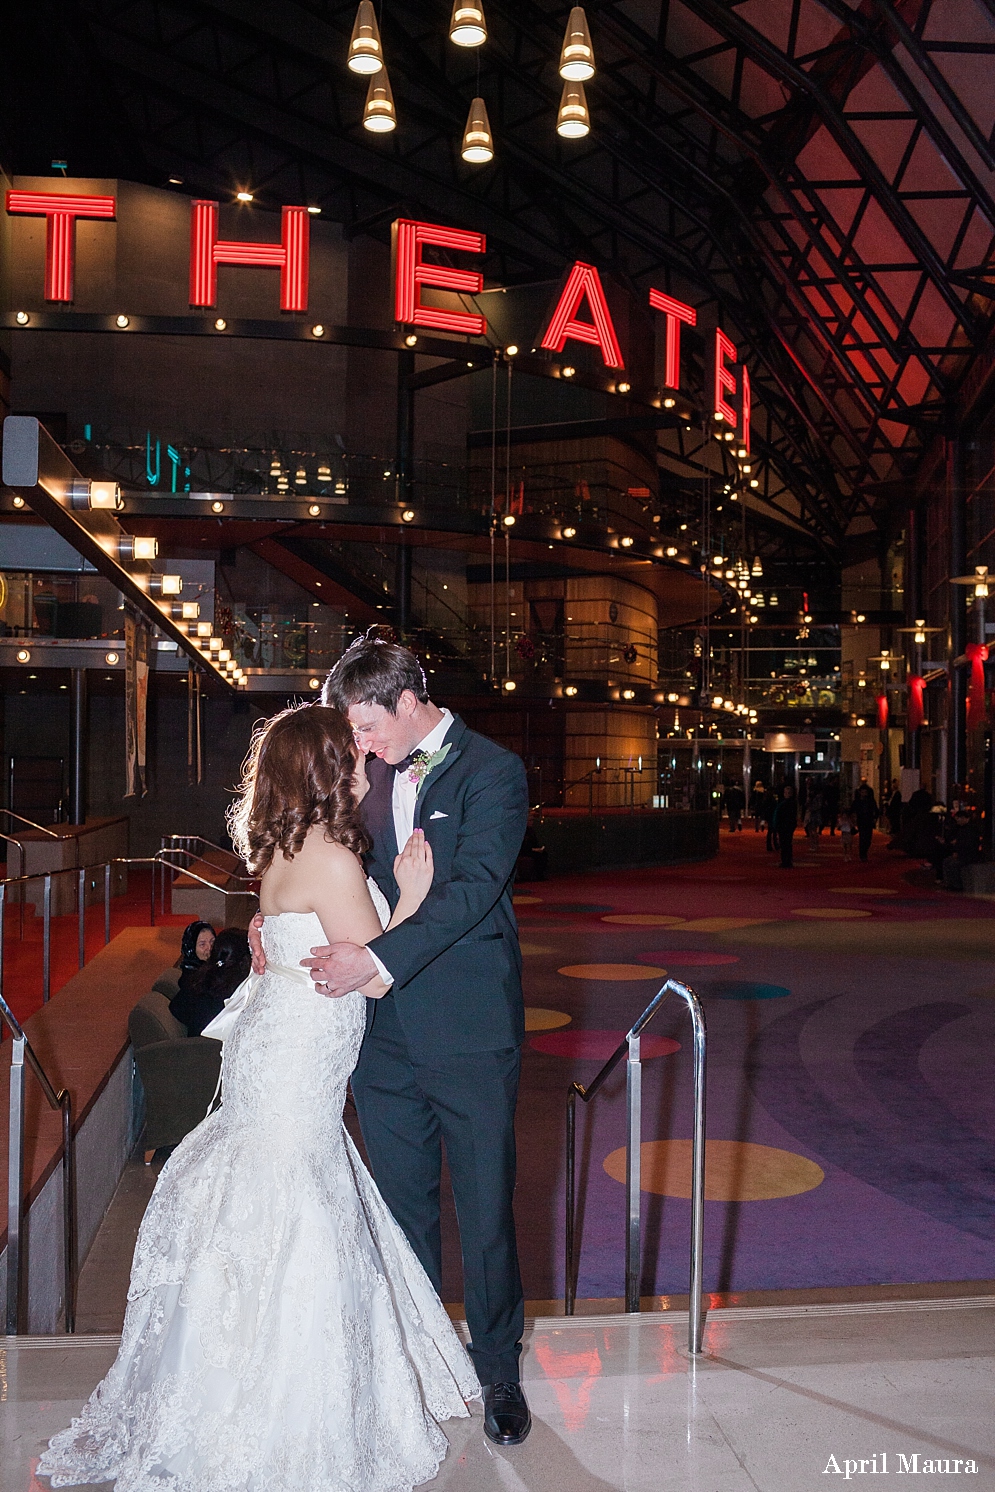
[{"x": 405, "y": 762}]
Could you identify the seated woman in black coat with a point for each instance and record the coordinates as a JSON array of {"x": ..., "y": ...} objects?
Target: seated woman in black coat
[
  {"x": 195, "y": 950},
  {"x": 204, "y": 990}
]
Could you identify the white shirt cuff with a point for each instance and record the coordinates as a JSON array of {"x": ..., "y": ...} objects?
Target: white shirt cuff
[{"x": 385, "y": 974}]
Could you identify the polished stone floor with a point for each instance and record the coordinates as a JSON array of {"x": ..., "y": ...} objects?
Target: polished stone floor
[{"x": 781, "y": 1397}]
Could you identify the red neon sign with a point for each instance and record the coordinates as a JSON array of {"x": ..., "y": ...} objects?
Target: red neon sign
[
  {"x": 676, "y": 312},
  {"x": 61, "y": 211},
  {"x": 745, "y": 406},
  {"x": 725, "y": 382},
  {"x": 291, "y": 255},
  {"x": 411, "y": 273},
  {"x": 584, "y": 280}
]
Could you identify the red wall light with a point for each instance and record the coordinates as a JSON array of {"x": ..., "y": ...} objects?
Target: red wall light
[
  {"x": 61, "y": 209},
  {"x": 584, "y": 280},
  {"x": 411, "y": 273},
  {"x": 745, "y": 406}
]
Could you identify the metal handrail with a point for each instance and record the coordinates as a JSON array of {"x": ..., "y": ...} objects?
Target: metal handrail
[
  {"x": 225, "y": 849},
  {"x": 629, "y": 1047},
  {"x": 30, "y": 823},
  {"x": 81, "y": 873},
  {"x": 23, "y": 1053},
  {"x": 179, "y": 850},
  {"x": 62, "y": 1100}
]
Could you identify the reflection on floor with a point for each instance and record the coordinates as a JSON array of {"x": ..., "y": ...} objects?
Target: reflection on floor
[{"x": 780, "y": 1398}]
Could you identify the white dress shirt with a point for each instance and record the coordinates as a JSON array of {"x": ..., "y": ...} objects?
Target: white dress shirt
[
  {"x": 403, "y": 803},
  {"x": 406, "y": 791}
]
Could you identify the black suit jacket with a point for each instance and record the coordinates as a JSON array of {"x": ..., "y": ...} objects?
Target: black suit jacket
[{"x": 457, "y": 964}]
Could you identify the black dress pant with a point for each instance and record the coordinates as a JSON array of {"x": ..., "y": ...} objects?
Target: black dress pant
[
  {"x": 786, "y": 839},
  {"x": 407, "y": 1108},
  {"x": 865, "y": 833}
]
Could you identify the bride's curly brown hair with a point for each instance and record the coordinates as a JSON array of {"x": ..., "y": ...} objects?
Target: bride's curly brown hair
[{"x": 298, "y": 773}]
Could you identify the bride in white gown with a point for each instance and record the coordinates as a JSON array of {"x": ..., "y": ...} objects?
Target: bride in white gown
[{"x": 280, "y": 1334}]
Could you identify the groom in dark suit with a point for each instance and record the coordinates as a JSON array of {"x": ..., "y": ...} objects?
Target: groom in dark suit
[{"x": 441, "y": 1058}]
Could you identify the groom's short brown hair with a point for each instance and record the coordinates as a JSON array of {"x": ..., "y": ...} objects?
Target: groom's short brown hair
[{"x": 374, "y": 670}]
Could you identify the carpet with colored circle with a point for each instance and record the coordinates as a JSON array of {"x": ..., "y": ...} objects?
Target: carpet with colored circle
[{"x": 851, "y": 1110}]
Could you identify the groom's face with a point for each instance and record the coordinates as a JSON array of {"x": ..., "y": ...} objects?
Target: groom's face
[{"x": 388, "y": 736}]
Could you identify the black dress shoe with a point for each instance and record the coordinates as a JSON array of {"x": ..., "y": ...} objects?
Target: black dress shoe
[{"x": 507, "y": 1420}]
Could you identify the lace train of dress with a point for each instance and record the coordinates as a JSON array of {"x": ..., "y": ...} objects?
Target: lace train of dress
[{"x": 280, "y": 1333}]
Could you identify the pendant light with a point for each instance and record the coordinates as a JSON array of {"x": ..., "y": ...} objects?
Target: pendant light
[
  {"x": 365, "y": 52},
  {"x": 478, "y": 142},
  {"x": 577, "y": 55},
  {"x": 378, "y": 111},
  {"x": 467, "y": 27},
  {"x": 573, "y": 120}
]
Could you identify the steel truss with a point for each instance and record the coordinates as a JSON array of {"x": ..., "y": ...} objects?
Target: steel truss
[{"x": 813, "y": 176}]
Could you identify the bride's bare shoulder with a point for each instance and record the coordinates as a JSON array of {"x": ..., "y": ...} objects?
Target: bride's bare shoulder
[{"x": 321, "y": 867}]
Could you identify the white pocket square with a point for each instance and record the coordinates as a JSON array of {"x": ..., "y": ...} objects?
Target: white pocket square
[{"x": 437, "y": 815}]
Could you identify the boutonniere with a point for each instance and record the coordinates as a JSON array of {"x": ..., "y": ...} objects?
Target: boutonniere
[{"x": 424, "y": 762}]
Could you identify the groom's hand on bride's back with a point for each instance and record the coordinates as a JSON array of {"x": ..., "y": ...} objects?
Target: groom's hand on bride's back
[
  {"x": 255, "y": 936},
  {"x": 340, "y": 968}
]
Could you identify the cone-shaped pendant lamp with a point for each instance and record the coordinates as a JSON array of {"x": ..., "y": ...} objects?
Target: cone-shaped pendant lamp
[
  {"x": 365, "y": 52},
  {"x": 577, "y": 55},
  {"x": 573, "y": 120},
  {"x": 378, "y": 111},
  {"x": 478, "y": 142},
  {"x": 467, "y": 28}
]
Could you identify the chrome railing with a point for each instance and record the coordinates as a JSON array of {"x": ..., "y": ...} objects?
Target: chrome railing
[
  {"x": 181, "y": 845},
  {"x": 30, "y": 823},
  {"x": 24, "y": 1055},
  {"x": 47, "y": 877},
  {"x": 186, "y": 840},
  {"x": 629, "y": 1048}
]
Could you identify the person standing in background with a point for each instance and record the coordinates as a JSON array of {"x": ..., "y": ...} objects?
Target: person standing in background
[
  {"x": 866, "y": 814},
  {"x": 846, "y": 826},
  {"x": 734, "y": 801},
  {"x": 759, "y": 807},
  {"x": 831, "y": 799},
  {"x": 894, "y": 812},
  {"x": 784, "y": 824}
]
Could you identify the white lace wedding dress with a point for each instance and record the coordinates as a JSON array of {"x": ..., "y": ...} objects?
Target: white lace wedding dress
[{"x": 280, "y": 1334}]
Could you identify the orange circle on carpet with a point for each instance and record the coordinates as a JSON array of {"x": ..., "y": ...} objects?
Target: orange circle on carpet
[
  {"x": 724, "y": 924},
  {"x": 618, "y": 973},
  {"x": 539, "y": 1019},
  {"x": 526, "y": 901},
  {"x": 735, "y": 1170},
  {"x": 642, "y": 919},
  {"x": 597, "y": 1046},
  {"x": 536, "y": 948},
  {"x": 690, "y": 958},
  {"x": 862, "y": 891},
  {"x": 830, "y": 914}
]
